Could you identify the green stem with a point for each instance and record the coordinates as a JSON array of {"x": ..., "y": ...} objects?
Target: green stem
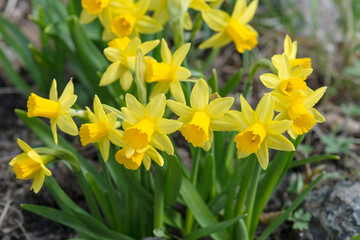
[
  {"x": 159, "y": 198},
  {"x": 254, "y": 181}
]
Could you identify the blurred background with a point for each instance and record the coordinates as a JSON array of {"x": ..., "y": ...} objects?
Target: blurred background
[{"x": 32, "y": 52}]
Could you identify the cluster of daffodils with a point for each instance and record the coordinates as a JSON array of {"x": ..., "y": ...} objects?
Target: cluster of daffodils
[
  {"x": 139, "y": 131},
  {"x": 294, "y": 100}
]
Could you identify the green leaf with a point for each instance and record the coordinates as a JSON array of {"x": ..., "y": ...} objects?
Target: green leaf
[
  {"x": 206, "y": 231},
  {"x": 290, "y": 209},
  {"x": 199, "y": 209},
  {"x": 357, "y": 237},
  {"x": 232, "y": 83},
  {"x": 173, "y": 179}
]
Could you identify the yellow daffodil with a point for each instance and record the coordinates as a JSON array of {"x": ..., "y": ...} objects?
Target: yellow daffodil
[
  {"x": 161, "y": 13},
  {"x": 232, "y": 28},
  {"x": 288, "y": 80},
  {"x": 299, "y": 109},
  {"x": 168, "y": 73},
  {"x": 122, "y": 53},
  {"x": 203, "y": 117},
  {"x": 290, "y": 50},
  {"x": 258, "y": 131},
  {"x": 102, "y": 129},
  {"x": 57, "y": 110},
  {"x": 144, "y": 126},
  {"x": 132, "y": 20},
  {"x": 30, "y": 165}
]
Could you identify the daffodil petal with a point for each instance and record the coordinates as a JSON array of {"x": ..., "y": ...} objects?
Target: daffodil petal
[
  {"x": 53, "y": 95},
  {"x": 126, "y": 80},
  {"x": 165, "y": 52},
  {"x": 224, "y": 124},
  {"x": 154, "y": 155},
  {"x": 199, "y": 98},
  {"x": 112, "y": 73},
  {"x": 302, "y": 73},
  {"x": 279, "y": 142},
  {"x": 54, "y": 130},
  {"x": 208, "y": 144},
  {"x": 91, "y": 115},
  {"x": 104, "y": 146},
  {"x": 147, "y": 24},
  {"x": 18, "y": 158},
  {"x": 177, "y": 91},
  {"x": 218, "y": 107},
  {"x": 311, "y": 99},
  {"x": 292, "y": 134},
  {"x": 318, "y": 117},
  {"x": 249, "y": 13},
  {"x": 241, "y": 154},
  {"x": 278, "y": 127},
  {"x": 133, "y": 105},
  {"x": 67, "y": 93},
  {"x": 239, "y": 8},
  {"x": 113, "y": 54},
  {"x": 187, "y": 22},
  {"x": 116, "y": 138},
  {"x": 180, "y": 54},
  {"x": 147, "y": 162},
  {"x": 142, "y": 6},
  {"x": 284, "y": 68},
  {"x": 263, "y": 156},
  {"x": 217, "y": 40},
  {"x": 67, "y": 124},
  {"x": 38, "y": 182},
  {"x": 265, "y": 109},
  {"x": 270, "y": 80},
  {"x": 146, "y": 47},
  {"x": 160, "y": 87},
  {"x": 287, "y": 46},
  {"x": 246, "y": 111},
  {"x": 156, "y": 107},
  {"x": 68, "y": 102},
  {"x": 23, "y": 145},
  {"x": 179, "y": 109},
  {"x": 86, "y": 18},
  {"x": 182, "y": 74},
  {"x": 215, "y": 19},
  {"x": 281, "y": 102},
  {"x": 162, "y": 142},
  {"x": 168, "y": 126},
  {"x": 281, "y": 116},
  {"x": 111, "y": 118},
  {"x": 98, "y": 109},
  {"x": 132, "y": 47}
]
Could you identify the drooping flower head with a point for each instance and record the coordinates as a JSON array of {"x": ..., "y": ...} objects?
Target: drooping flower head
[
  {"x": 30, "y": 165},
  {"x": 132, "y": 20},
  {"x": 258, "y": 131},
  {"x": 202, "y": 118},
  {"x": 288, "y": 80},
  {"x": 57, "y": 110},
  {"x": 102, "y": 129},
  {"x": 122, "y": 53},
  {"x": 232, "y": 28},
  {"x": 299, "y": 109},
  {"x": 168, "y": 73},
  {"x": 145, "y": 126}
]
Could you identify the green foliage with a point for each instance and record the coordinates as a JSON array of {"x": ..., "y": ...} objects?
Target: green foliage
[{"x": 301, "y": 220}]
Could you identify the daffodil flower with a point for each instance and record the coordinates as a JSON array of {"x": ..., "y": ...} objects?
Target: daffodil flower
[
  {"x": 168, "y": 73},
  {"x": 132, "y": 20},
  {"x": 290, "y": 50},
  {"x": 57, "y": 110},
  {"x": 299, "y": 109},
  {"x": 122, "y": 53},
  {"x": 258, "y": 131},
  {"x": 202, "y": 118},
  {"x": 102, "y": 129},
  {"x": 30, "y": 165},
  {"x": 232, "y": 28},
  {"x": 288, "y": 80},
  {"x": 144, "y": 126}
]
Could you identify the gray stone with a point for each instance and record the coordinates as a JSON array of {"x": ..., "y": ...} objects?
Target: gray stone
[{"x": 335, "y": 211}]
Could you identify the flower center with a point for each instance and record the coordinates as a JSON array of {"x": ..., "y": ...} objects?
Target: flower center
[
  {"x": 243, "y": 38},
  {"x": 290, "y": 86},
  {"x": 41, "y": 107},
  {"x": 197, "y": 130},
  {"x": 120, "y": 43},
  {"x": 132, "y": 162},
  {"x": 93, "y": 132},
  {"x": 139, "y": 135},
  {"x": 26, "y": 169},
  {"x": 94, "y": 6},
  {"x": 159, "y": 72},
  {"x": 249, "y": 140},
  {"x": 123, "y": 25},
  {"x": 303, "y": 121}
]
